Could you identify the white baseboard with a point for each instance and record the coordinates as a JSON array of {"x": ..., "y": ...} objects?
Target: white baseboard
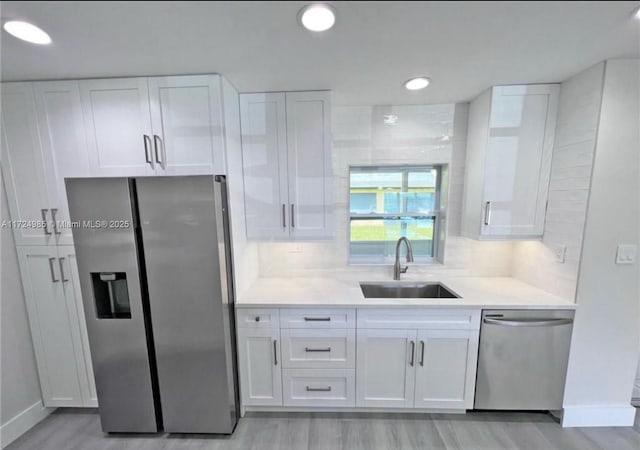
[
  {"x": 21, "y": 423},
  {"x": 598, "y": 416}
]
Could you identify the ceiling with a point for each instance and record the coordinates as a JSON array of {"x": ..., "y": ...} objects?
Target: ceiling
[{"x": 373, "y": 48}]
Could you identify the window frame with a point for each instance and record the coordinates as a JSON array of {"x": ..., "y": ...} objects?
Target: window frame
[{"x": 435, "y": 214}]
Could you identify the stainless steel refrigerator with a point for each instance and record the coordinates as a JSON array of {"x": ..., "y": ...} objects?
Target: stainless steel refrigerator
[{"x": 155, "y": 267}]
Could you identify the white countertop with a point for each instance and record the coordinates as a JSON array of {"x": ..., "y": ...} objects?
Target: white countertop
[{"x": 484, "y": 292}]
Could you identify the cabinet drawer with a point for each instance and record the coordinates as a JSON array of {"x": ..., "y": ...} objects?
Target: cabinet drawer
[
  {"x": 257, "y": 318},
  {"x": 326, "y": 387},
  {"x": 321, "y": 349},
  {"x": 318, "y": 318},
  {"x": 437, "y": 319}
]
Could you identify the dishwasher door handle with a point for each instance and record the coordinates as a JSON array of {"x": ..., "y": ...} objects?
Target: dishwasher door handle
[{"x": 527, "y": 323}]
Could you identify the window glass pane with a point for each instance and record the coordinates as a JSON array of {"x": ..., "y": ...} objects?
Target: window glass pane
[
  {"x": 363, "y": 202},
  {"x": 376, "y": 238},
  {"x": 377, "y": 183},
  {"x": 399, "y": 191}
]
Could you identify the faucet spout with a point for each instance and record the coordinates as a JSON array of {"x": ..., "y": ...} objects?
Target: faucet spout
[{"x": 397, "y": 270}]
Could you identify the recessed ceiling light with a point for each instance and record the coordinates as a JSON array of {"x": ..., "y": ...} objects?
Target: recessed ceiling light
[
  {"x": 317, "y": 17},
  {"x": 390, "y": 119},
  {"x": 418, "y": 83},
  {"x": 27, "y": 32}
]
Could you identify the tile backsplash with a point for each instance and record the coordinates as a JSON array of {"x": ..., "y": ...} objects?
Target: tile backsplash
[
  {"x": 571, "y": 165},
  {"x": 423, "y": 134}
]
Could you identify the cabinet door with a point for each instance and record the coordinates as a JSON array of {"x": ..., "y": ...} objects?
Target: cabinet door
[
  {"x": 518, "y": 159},
  {"x": 54, "y": 326},
  {"x": 259, "y": 365},
  {"x": 264, "y": 165},
  {"x": 446, "y": 368},
  {"x": 23, "y": 166},
  {"x": 187, "y": 125},
  {"x": 64, "y": 146},
  {"x": 118, "y": 126},
  {"x": 385, "y": 368},
  {"x": 309, "y": 156},
  {"x": 71, "y": 285}
]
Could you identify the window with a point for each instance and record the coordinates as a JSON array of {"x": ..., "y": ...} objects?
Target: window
[{"x": 386, "y": 203}]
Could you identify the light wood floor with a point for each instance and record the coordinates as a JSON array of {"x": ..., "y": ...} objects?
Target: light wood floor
[{"x": 80, "y": 430}]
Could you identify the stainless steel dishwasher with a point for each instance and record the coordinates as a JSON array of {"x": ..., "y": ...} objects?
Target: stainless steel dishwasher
[{"x": 522, "y": 359}]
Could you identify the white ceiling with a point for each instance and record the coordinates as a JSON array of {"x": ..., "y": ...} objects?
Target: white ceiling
[{"x": 373, "y": 48}]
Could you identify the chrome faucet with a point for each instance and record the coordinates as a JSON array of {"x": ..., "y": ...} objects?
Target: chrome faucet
[{"x": 397, "y": 270}]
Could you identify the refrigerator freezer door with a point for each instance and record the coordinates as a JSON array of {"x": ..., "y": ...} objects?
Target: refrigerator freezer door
[
  {"x": 185, "y": 257},
  {"x": 107, "y": 263}
]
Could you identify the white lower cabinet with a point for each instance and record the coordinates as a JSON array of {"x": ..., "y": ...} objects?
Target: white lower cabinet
[
  {"x": 385, "y": 368},
  {"x": 318, "y": 349},
  {"x": 319, "y": 387},
  {"x": 259, "y": 365},
  {"x": 446, "y": 368},
  {"x": 61, "y": 349},
  {"x": 382, "y": 358}
]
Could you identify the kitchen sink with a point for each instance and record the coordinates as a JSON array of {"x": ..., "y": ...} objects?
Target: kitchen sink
[{"x": 406, "y": 290}]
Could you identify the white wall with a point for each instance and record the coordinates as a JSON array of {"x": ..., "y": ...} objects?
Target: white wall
[
  {"x": 19, "y": 385},
  {"x": 604, "y": 351},
  {"x": 245, "y": 254},
  {"x": 361, "y": 138},
  {"x": 573, "y": 150}
]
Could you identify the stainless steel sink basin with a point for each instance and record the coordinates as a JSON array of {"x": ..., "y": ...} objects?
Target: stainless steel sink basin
[{"x": 406, "y": 290}]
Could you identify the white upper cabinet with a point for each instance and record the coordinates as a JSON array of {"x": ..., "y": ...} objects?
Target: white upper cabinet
[
  {"x": 509, "y": 145},
  {"x": 286, "y": 150},
  {"x": 118, "y": 125},
  {"x": 264, "y": 159},
  {"x": 25, "y": 177},
  {"x": 154, "y": 126},
  {"x": 309, "y": 162},
  {"x": 186, "y": 122},
  {"x": 64, "y": 145}
]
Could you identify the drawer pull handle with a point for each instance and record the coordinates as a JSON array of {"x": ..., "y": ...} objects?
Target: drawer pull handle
[
  {"x": 317, "y": 319},
  {"x": 257, "y": 319},
  {"x": 307, "y": 349},
  {"x": 325, "y": 389}
]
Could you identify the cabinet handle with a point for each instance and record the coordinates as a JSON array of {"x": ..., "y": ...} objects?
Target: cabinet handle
[
  {"x": 487, "y": 213},
  {"x": 53, "y": 275},
  {"x": 422, "y": 353},
  {"x": 60, "y": 260},
  {"x": 413, "y": 348},
  {"x": 284, "y": 214},
  {"x": 293, "y": 220},
  {"x": 325, "y": 389},
  {"x": 257, "y": 319},
  {"x": 44, "y": 221},
  {"x": 275, "y": 352},
  {"x": 317, "y": 319},
  {"x": 53, "y": 219},
  {"x": 147, "y": 150},
  {"x": 157, "y": 143},
  {"x": 310, "y": 350}
]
